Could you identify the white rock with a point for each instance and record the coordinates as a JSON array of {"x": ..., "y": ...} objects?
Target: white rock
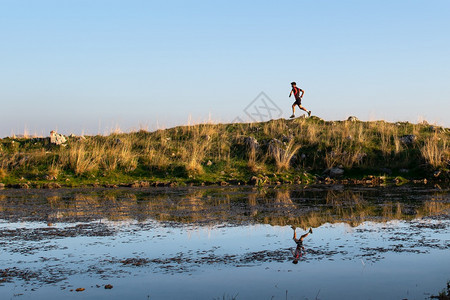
[{"x": 56, "y": 138}]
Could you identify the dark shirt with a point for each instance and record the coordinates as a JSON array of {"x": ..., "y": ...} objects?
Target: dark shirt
[{"x": 296, "y": 92}]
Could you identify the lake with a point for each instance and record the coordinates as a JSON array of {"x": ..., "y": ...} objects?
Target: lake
[{"x": 225, "y": 243}]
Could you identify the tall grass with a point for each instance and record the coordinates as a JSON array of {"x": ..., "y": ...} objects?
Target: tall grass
[
  {"x": 79, "y": 159},
  {"x": 197, "y": 146},
  {"x": 436, "y": 151},
  {"x": 282, "y": 156}
]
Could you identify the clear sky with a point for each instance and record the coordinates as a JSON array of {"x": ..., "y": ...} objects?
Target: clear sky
[{"x": 91, "y": 65}]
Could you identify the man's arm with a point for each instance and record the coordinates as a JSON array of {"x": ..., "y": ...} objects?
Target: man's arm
[
  {"x": 303, "y": 92},
  {"x": 290, "y": 94}
]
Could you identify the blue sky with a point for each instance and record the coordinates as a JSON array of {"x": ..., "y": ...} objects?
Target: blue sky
[{"x": 89, "y": 66}]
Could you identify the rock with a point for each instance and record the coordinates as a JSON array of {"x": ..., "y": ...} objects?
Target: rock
[
  {"x": 251, "y": 142},
  {"x": 275, "y": 147},
  {"x": 50, "y": 177},
  {"x": 334, "y": 172},
  {"x": 56, "y": 138},
  {"x": 108, "y": 286},
  {"x": 51, "y": 185},
  {"x": 135, "y": 185},
  {"x": 145, "y": 184},
  {"x": 80, "y": 289},
  {"x": 315, "y": 118},
  {"x": 408, "y": 139},
  {"x": 23, "y": 186},
  {"x": 352, "y": 119}
]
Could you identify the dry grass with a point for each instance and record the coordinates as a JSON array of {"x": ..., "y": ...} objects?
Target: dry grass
[
  {"x": 283, "y": 156},
  {"x": 54, "y": 170},
  {"x": 80, "y": 159},
  {"x": 3, "y": 173},
  {"x": 197, "y": 146},
  {"x": 436, "y": 151}
]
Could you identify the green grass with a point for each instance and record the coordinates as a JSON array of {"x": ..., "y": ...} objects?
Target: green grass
[{"x": 287, "y": 151}]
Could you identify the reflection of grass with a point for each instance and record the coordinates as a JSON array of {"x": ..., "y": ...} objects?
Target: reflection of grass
[{"x": 213, "y": 206}]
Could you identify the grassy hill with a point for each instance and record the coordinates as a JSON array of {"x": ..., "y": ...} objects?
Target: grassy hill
[{"x": 279, "y": 151}]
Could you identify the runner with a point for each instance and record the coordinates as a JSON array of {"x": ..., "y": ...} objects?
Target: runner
[{"x": 298, "y": 99}]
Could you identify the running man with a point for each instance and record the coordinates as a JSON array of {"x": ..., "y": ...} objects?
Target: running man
[
  {"x": 298, "y": 99},
  {"x": 298, "y": 251}
]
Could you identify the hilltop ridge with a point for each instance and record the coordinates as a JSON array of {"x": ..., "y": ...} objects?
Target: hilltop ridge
[{"x": 298, "y": 151}]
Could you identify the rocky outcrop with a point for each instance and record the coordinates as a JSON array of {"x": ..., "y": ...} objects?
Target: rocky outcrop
[
  {"x": 251, "y": 142},
  {"x": 408, "y": 139},
  {"x": 353, "y": 119},
  {"x": 57, "y": 138},
  {"x": 334, "y": 172}
]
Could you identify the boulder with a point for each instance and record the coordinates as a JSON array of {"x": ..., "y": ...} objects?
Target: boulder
[
  {"x": 408, "y": 139},
  {"x": 336, "y": 172},
  {"x": 352, "y": 119},
  {"x": 251, "y": 142},
  {"x": 57, "y": 138}
]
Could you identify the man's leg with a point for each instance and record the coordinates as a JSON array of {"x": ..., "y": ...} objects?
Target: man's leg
[
  {"x": 303, "y": 236},
  {"x": 306, "y": 234},
  {"x": 303, "y": 108},
  {"x": 293, "y": 228},
  {"x": 293, "y": 110}
]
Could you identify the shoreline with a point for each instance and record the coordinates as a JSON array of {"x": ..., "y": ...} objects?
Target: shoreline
[{"x": 257, "y": 182}]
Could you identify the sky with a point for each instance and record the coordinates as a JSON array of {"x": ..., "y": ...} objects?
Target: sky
[{"x": 95, "y": 66}]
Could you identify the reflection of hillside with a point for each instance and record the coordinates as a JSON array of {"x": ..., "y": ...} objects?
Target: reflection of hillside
[{"x": 304, "y": 208}]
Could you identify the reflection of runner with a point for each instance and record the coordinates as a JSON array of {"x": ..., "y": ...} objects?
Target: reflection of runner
[
  {"x": 298, "y": 99},
  {"x": 298, "y": 251}
]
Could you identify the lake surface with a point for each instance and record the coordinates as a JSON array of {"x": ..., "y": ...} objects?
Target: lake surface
[{"x": 225, "y": 243}]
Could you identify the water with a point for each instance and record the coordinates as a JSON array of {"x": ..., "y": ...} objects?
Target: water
[{"x": 224, "y": 243}]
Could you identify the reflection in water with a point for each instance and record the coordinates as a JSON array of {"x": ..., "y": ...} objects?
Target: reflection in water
[
  {"x": 303, "y": 207},
  {"x": 299, "y": 250},
  {"x": 142, "y": 240}
]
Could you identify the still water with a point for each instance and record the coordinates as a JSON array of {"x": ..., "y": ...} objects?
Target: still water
[{"x": 225, "y": 243}]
